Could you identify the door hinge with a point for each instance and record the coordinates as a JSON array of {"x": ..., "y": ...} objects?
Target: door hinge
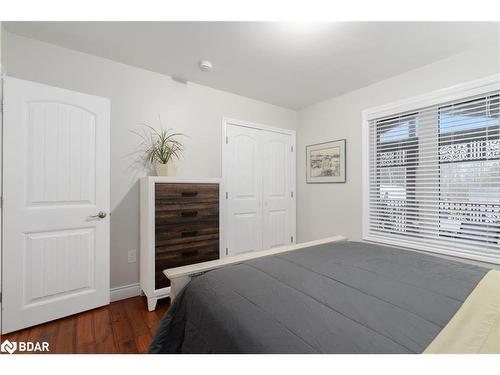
[
  {"x": 227, "y": 251},
  {"x": 227, "y": 140},
  {"x": 291, "y": 147},
  {"x": 291, "y": 194},
  {"x": 291, "y": 239},
  {"x": 227, "y": 195}
]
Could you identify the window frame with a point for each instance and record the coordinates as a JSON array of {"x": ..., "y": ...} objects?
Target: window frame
[{"x": 435, "y": 98}]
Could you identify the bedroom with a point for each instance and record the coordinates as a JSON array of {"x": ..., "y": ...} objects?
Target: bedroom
[{"x": 250, "y": 187}]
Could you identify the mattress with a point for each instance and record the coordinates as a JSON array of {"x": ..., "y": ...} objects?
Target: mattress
[{"x": 341, "y": 297}]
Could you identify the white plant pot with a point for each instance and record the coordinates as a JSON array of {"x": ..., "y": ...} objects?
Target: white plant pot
[{"x": 168, "y": 169}]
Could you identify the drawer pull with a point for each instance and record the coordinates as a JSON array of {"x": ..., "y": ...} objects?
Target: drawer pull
[
  {"x": 190, "y": 253},
  {"x": 189, "y": 213},
  {"x": 189, "y": 193},
  {"x": 189, "y": 233}
]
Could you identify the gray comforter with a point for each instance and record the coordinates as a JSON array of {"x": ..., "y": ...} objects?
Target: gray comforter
[{"x": 344, "y": 297}]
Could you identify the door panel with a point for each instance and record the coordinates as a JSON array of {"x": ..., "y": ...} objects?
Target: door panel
[
  {"x": 61, "y": 150},
  {"x": 244, "y": 184},
  {"x": 277, "y": 209},
  {"x": 56, "y": 178},
  {"x": 57, "y": 263}
]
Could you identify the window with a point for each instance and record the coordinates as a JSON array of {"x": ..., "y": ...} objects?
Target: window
[
  {"x": 397, "y": 146},
  {"x": 433, "y": 177}
]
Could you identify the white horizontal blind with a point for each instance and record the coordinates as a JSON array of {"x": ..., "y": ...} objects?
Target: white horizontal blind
[{"x": 434, "y": 178}]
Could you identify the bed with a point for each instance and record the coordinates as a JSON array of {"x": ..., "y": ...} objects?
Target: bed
[{"x": 331, "y": 296}]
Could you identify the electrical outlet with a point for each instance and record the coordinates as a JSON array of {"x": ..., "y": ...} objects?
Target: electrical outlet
[{"x": 132, "y": 256}]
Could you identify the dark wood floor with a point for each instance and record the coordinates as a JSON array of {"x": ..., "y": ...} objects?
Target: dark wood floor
[{"x": 124, "y": 326}]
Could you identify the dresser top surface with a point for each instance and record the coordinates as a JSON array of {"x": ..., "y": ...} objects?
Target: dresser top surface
[{"x": 182, "y": 180}]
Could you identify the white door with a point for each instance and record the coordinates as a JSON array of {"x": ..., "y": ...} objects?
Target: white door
[
  {"x": 56, "y": 182},
  {"x": 278, "y": 215},
  {"x": 259, "y": 170},
  {"x": 243, "y": 183}
]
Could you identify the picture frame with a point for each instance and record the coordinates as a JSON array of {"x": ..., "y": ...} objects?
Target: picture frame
[{"x": 325, "y": 162}]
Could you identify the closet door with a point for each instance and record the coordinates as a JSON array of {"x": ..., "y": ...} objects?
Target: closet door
[
  {"x": 243, "y": 184},
  {"x": 278, "y": 216}
]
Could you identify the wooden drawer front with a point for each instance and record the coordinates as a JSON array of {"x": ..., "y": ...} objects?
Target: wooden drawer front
[
  {"x": 185, "y": 234},
  {"x": 186, "y": 193},
  {"x": 175, "y": 214},
  {"x": 188, "y": 254},
  {"x": 163, "y": 251}
]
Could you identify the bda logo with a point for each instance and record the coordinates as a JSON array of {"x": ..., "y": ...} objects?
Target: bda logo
[{"x": 9, "y": 347}]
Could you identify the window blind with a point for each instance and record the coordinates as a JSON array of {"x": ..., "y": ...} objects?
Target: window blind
[{"x": 434, "y": 178}]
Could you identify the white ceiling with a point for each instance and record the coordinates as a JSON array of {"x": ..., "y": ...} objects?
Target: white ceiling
[{"x": 288, "y": 64}]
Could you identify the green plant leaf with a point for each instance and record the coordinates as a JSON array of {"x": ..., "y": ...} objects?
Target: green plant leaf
[{"x": 159, "y": 146}]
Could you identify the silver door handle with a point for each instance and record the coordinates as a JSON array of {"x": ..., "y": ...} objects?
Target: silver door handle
[{"x": 100, "y": 215}]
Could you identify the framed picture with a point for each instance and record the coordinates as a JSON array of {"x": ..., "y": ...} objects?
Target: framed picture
[{"x": 325, "y": 162}]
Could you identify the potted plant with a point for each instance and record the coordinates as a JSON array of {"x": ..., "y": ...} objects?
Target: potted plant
[{"x": 161, "y": 147}]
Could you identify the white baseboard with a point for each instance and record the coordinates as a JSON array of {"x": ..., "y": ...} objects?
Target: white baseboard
[{"x": 125, "y": 291}]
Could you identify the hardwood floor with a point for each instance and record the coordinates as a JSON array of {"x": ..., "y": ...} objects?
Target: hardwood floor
[{"x": 124, "y": 326}]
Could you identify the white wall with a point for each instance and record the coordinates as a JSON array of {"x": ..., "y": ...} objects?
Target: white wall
[
  {"x": 327, "y": 209},
  {"x": 137, "y": 96},
  {"x": 1, "y": 128}
]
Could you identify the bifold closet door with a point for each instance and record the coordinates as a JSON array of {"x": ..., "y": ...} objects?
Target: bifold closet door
[
  {"x": 243, "y": 184},
  {"x": 278, "y": 216},
  {"x": 56, "y": 203},
  {"x": 258, "y": 166}
]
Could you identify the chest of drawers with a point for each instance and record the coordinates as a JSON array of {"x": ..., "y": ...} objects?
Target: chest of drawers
[{"x": 179, "y": 226}]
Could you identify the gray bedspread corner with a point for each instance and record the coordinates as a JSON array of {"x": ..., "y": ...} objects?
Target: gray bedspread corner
[
  {"x": 345, "y": 297},
  {"x": 170, "y": 332}
]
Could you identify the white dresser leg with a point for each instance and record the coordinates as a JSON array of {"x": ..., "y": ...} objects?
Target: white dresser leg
[{"x": 152, "y": 303}]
